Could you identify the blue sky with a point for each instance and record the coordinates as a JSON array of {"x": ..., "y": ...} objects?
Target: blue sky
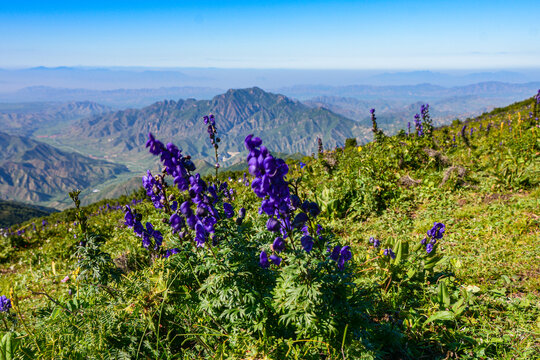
[{"x": 271, "y": 34}]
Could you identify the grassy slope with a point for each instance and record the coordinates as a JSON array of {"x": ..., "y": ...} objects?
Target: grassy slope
[{"x": 491, "y": 238}]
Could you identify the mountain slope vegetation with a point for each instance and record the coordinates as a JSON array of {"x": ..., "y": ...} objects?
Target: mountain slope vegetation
[
  {"x": 33, "y": 171},
  {"x": 412, "y": 246}
]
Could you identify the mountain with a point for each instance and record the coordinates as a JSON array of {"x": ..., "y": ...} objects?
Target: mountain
[
  {"x": 117, "y": 98},
  {"x": 419, "y": 92},
  {"x": 32, "y": 171},
  {"x": 26, "y": 118},
  {"x": 287, "y": 126}
]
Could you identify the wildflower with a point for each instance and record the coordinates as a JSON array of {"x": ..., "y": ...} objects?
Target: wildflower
[
  {"x": 376, "y": 243},
  {"x": 418, "y": 125},
  {"x": 275, "y": 259},
  {"x": 437, "y": 231},
  {"x": 272, "y": 225},
  {"x": 307, "y": 243},
  {"x": 389, "y": 252},
  {"x": 228, "y": 209},
  {"x": 66, "y": 279},
  {"x": 5, "y": 304},
  {"x": 278, "y": 245},
  {"x": 344, "y": 256},
  {"x": 263, "y": 260}
]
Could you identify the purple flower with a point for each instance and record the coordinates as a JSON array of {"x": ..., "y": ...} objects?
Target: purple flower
[
  {"x": 278, "y": 245},
  {"x": 272, "y": 225},
  {"x": 437, "y": 231},
  {"x": 275, "y": 259},
  {"x": 429, "y": 248},
  {"x": 374, "y": 241},
  {"x": 389, "y": 252},
  {"x": 5, "y": 304},
  {"x": 335, "y": 253},
  {"x": 228, "y": 209},
  {"x": 176, "y": 222},
  {"x": 307, "y": 243},
  {"x": 263, "y": 260}
]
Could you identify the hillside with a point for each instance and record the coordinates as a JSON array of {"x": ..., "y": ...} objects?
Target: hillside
[
  {"x": 12, "y": 212},
  {"x": 291, "y": 127},
  {"x": 32, "y": 171},
  {"x": 410, "y": 247},
  {"x": 27, "y": 118}
]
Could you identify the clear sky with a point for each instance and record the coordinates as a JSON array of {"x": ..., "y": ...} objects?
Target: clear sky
[{"x": 271, "y": 34}]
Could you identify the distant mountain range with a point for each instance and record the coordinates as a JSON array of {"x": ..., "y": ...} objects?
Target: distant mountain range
[
  {"x": 35, "y": 172},
  {"x": 108, "y": 78},
  {"x": 26, "y": 118},
  {"x": 117, "y": 98},
  {"x": 286, "y": 125}
]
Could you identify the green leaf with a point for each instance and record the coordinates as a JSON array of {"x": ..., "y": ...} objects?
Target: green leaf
[
  {"x": 442, "y": 316},
  {"x": 444, "y": 296}
]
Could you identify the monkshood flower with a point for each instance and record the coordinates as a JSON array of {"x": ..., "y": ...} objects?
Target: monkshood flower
[
  {"x": 376, "y": 243},
  {"x": 170, "y": 252},
  {"x": 154, "y": 190},
  {"x": 212, "y": 133},
  {"x": 5, "y": 304},
  {"x": 341, "y": 255},
  {"x": 147, "y": 234},
  {"x": 263, "y": 260},
  {"x": 437, "y": 231},
  {"x": 269, "y": 183},
  {"x": 307, "y": 243},
  {"x": 275, "y": 259},
  {"x": 389, "y": 252},
  {"x": 463, "y": 130},
  {"x": 418, "y": 125},
  {"x": 434, "y": 234}
]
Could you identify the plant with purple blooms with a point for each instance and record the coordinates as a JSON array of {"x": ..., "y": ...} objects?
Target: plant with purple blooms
[{"x": 210, "y": 121}]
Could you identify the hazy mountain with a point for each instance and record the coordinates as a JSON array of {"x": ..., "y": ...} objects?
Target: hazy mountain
[
  {"x": 26, "y": 118},
  {"x": 411, "y": 93},
  {"x": 117, "y": 98},
  {"x": 108, "y": 78},
  {"x": 286, "y": 125},
  {"x": 37, "y": 172},
  {"x": 394, "y": 115}
]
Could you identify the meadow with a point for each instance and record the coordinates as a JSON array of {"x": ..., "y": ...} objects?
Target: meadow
[{"x": 422, "y": 245}]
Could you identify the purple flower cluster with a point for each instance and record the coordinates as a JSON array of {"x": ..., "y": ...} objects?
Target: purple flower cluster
[
  {"x": 199, "y": 212},
  {"x": 133, "y": 221},
  {"x": 434, "y": 234},
  {"x": 389, "y": 252},
  {"x": 277, "y": 202},
  {"x": 179, "y": 167},
  {"x": 154, "y": 189},
  {"x": 376, "y": 243},
  {"x": 5, "y": 304},
  {"x": 341, "y": 255}
]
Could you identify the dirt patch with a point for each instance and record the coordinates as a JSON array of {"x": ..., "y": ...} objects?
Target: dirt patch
[
  {"x": 408, "y": 182},
  {"x": 494, "y": 197}
]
